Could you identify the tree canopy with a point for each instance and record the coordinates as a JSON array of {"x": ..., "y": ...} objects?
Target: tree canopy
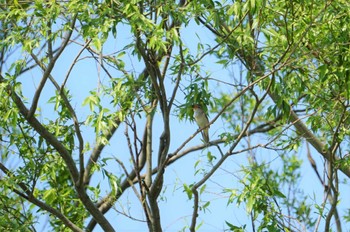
[{"x": 96, "y": 119}]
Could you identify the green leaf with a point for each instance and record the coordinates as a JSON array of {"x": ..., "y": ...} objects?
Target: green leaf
[
  {"x": 210, "y": 156},
  {"x": 235, "y": 228},
  {"x": 92, "y": 100},
  {"x": 49, "y": 196},
  {"x": 202, "y": 188},
  {"x": 188, "y": 190}
]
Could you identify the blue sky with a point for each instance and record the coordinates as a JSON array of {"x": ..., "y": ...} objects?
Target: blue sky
[{"x": 176, "y": 208}]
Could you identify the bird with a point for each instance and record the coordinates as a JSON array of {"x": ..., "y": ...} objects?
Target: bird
[{"x": 202, "y": 121}]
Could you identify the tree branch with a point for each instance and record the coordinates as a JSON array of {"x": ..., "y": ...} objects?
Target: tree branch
[{"x": 49, "y": 68}]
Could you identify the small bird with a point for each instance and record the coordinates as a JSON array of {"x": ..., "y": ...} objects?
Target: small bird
[{"x": 202, "y": 121}]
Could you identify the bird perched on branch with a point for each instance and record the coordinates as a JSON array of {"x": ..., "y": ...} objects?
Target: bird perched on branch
[{"x": 202, "y": 121}]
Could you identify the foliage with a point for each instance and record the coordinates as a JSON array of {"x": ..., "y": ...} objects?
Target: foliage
[{"x": 94, "y": 94}]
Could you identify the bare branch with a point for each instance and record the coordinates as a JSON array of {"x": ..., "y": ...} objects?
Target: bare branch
[
  {"x": 73, "y": 115},
  {"x": 49, "y": 68},
  {"x": 74, "y": 62},
  {"x": 313, "y": 164}
]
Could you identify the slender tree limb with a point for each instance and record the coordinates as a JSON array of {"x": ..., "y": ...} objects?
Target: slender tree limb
[
  {"x": 49, "y": 68},
  {"x": 223, "y": 37},
  {"x": 96, "y": 152},
  {"x": 74, "y": 63},
  {"x": 178, "y": 79},
  {"x": 137, "y": 169},
  {"x": 49, "y": 41},
  {"x": 333, "y": 190},
  {"x": 73, "y": 115},
  {"x": 313, "y": 164},
  {"x": 148, "y": 145}
]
